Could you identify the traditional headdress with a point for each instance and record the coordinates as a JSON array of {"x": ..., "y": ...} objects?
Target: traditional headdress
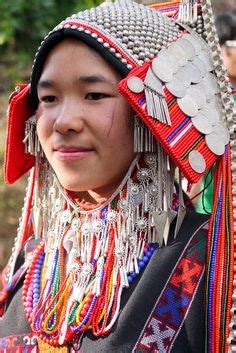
[{"x": 177, "y": 87}]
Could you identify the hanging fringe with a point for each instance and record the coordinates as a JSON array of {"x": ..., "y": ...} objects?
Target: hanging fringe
[
  {"x": 155, "y": 98},
  {"x": 220, "y": 259},
  {"x": 188, "y": 12},
  {"x": 144, "y": 141}
]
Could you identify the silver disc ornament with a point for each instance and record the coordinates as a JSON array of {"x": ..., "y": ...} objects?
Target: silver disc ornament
[
  {"x": 212, "y": 82},
  {"x": 178, "y": 53},
  {"x": 184, "y": 77},
  {"x": 197, "y": 96},
  {"x": 210, "y": 113},
  {"x": 202, "y": 124},
  {"x": 197, "y": 161},
  {"x": 222, "y": 131},
  {"x": 215, "y": 144},
  {"x": 194, "y": 41},
  {"x": 207, "y": 89},
  {"x": 176, "y": 87},
  {"x": 135, "y": 84},
  {"x": 193, "y": 72},
  {"x": 162, "y": 70},
  {"x": 188, "y": 48},
  {"x": 200, "y": 65},
  {"x": 166, "y": 56},
  {"x": 207, "y": 59},
  {"x": 188, "y": 106}
]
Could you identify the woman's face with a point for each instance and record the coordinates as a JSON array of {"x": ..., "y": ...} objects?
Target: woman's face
[{"x": 84, "y": 124}]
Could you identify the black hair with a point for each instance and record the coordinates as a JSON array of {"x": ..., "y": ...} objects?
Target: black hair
[
  {"x": 226, "y": 26},
  {"x": 56, "y": 38}
]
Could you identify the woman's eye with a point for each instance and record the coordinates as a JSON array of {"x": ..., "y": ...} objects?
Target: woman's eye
[
  {"x": 48, "y": 99},
  {"x": 95, "y": 96}
]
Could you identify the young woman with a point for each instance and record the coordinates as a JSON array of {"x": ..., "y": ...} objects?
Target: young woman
[{"x": 107, "y": 257}]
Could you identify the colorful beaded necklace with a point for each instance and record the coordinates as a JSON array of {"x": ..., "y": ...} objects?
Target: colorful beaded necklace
[{"x": 86, "y": 259}]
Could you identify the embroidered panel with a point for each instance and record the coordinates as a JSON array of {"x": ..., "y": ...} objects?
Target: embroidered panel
[{"x": 173, "y": 304}]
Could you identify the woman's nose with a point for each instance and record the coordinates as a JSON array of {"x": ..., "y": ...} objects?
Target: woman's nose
[{"x": 69, "y": 118}]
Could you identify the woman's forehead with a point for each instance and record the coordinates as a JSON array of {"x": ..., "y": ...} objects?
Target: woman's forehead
[{"x": 73, "y": 55}]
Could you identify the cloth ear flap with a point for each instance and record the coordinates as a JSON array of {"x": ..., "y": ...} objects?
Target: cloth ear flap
[{"x": 17, "y": 162}]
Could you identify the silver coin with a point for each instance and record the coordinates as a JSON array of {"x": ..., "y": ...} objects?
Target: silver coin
[
  {"x": 162, "y": 70},
  {"x": 135, "y": 84},
  {"x": 172, "y": 62},
  {"x": 178, "y": 54},
  {"x": 197, "y": 161},
  {"x": 194, "y": 41},
  {"x": 216, "y": 102},
  {"x": 188, "y": 106},
  {"x": 188, "y": 48},
  {"x": 197, "y": 95},
  {"x": 210, "y": 113},
  {"x": 193, "y": 72},
  {"x": 208, "y": 91},
  {"x": 183, "y": 76},
  {"x": 202, "y": 124},
  {"x": 207, "y": 59},
  {"x": 200, "y": 65},
  {"x": 222, "y": 131},
  {"x": 212, "y": 82},
  {"x": 214, "y": 144},
  {"x": 176, "y": 87}
]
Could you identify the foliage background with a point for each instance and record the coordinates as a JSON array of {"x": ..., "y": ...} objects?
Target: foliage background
[{"x": 23, "y": 24}]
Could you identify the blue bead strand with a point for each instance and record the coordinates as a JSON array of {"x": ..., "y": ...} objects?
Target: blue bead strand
[{"x": 143, "y": 263}]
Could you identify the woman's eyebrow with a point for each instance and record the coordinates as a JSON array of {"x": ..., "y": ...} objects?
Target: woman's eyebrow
[
  {"x": 45, "y": 83},
  {"x": 94, "y": 79}
]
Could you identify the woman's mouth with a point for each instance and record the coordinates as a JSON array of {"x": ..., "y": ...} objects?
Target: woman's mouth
[{"x": 72, "y": 153}]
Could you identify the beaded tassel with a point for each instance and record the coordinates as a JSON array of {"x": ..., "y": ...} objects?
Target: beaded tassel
[{"x": 220, "y": 255}]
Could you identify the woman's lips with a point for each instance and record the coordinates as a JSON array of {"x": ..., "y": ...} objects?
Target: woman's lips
[{"x": 72, "y": 153}]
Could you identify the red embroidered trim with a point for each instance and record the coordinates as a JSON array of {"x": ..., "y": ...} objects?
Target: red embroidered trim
[{"x": 179, "y": 147}]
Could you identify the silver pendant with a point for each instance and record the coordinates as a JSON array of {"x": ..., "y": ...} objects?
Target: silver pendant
[{"x": 160, "y": 220}]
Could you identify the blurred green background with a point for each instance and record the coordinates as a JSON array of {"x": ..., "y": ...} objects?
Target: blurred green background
[{"x": 23, "y": 24}]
